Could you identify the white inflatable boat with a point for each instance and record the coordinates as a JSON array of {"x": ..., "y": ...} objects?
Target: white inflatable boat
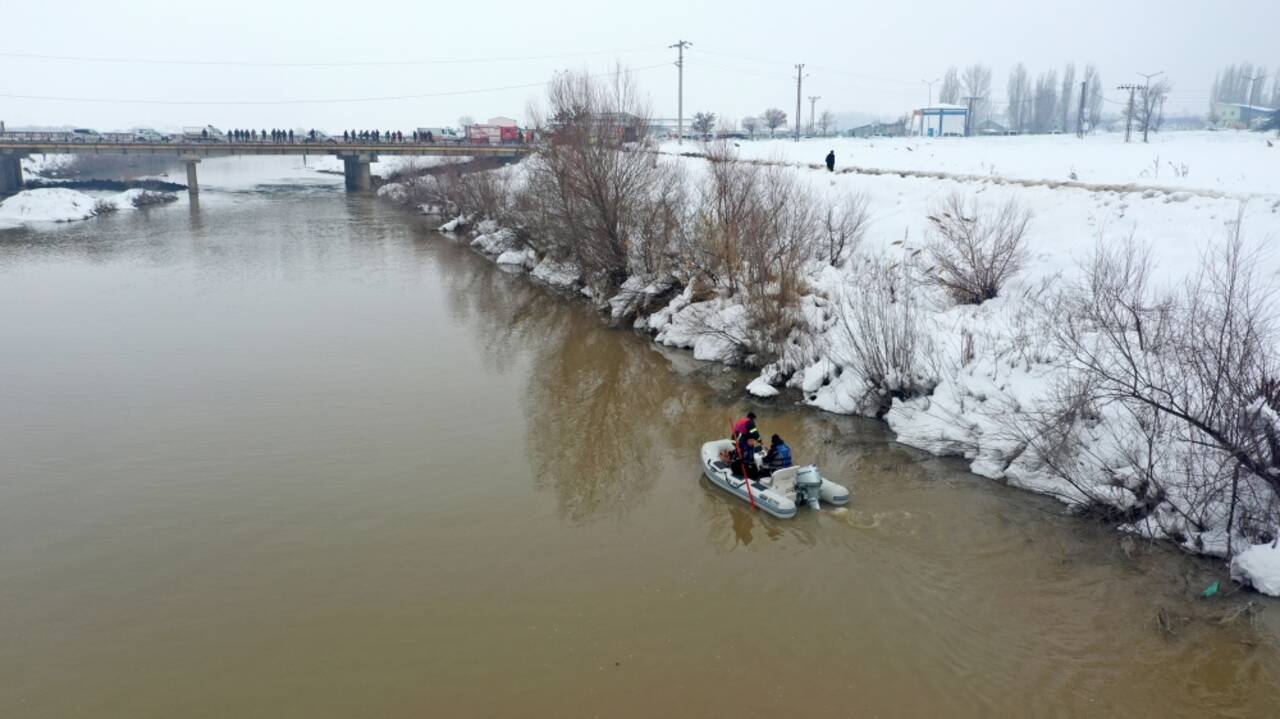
[{"x": 778, "y": 494}]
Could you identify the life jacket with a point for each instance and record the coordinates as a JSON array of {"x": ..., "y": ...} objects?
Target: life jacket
[{"x": 779, "y": 455}]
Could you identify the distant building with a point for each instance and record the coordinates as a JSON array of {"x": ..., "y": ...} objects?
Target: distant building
[
  {"x": 880, "y": 129},
  {"x": 502, "y": 122},
  {"x": 1239, "y": 116},
  {"x": 940, "y": 120},
  {"x": 991, "y": 127}
]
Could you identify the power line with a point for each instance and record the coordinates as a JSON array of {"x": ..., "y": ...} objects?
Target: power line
[
  {"x": 343, "y": 100},
  {"x": 336, "y": 63}
]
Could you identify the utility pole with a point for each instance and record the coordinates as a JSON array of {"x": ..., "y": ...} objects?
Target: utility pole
[
  {"x": 1080, "y": 113},
  {"x": 1146, "y": 102},
  {"x": 928, "y": 103},
  {"x": 799, "y": 78},
  {"x": 680, "y": 46},
  {"x": 812, "y": 100},
  {"x": 1253, "y": 87},
  {"x": 968, "y": 116},
  {"x": 1128, "y": 114}
]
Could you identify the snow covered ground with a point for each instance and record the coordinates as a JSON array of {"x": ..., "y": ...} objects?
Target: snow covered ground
[
  {"x": 1227, "y": 161},
  {"x": 56, "y": 204},
  {"x": 1177, "y": 195}
]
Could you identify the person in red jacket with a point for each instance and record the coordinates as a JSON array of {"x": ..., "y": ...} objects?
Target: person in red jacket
[{"x": 746, "y": 427}]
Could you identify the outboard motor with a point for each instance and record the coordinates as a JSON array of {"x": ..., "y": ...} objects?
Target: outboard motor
[{"x": 808, "y": 484}]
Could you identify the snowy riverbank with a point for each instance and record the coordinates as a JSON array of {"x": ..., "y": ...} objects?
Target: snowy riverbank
[
  {"x": 62, "y": 205},
  {"x": 994, "y": 368}
]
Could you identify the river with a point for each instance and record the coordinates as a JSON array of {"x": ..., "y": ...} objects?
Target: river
[{"x": 290, "y": 453}]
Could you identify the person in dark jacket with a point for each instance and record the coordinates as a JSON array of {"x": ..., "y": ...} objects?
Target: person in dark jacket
[
  {"x": 747, "y": 458},
  {"x": 779, "y": 454},
  {"x": 831, "y": 161}
]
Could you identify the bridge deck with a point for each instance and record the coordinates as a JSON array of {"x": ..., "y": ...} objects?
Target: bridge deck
[{"x": 224, "y": 149}]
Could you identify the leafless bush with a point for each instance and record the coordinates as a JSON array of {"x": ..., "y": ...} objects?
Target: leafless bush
[
  {"x": 882, "y": 334},
  {"x": 104, "y": 207},
  {"x": 148, "y": 198},
  {"x": 753, "y": 231},
  {"x": 592, "y": 191},
  {"x": 844, "y": 224},
  {"x": 1200, "y": 358},
  {"x": 974, "y": 250}
]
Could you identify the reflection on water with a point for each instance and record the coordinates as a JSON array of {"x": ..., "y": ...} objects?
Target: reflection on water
[{"x": 290, "y": 454}]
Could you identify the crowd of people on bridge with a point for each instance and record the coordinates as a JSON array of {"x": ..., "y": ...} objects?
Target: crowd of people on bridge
[
  {"x": 263, "y": 135},
  {"x": 388, "y": 136}
]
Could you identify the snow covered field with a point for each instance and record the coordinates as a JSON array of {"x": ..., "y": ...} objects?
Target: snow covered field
[
  {"x": 993, "y": 366},
  {"x": 1229, "y": 161}
]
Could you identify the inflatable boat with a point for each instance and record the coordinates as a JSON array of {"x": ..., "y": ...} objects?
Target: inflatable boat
[{"x": 779, "y": 494}]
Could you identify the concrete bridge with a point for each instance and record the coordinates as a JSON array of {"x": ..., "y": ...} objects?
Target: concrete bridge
[{"x": 356, "y": 156}]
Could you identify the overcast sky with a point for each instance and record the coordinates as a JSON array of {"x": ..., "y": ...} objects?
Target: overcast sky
[{"x": 860, "y": 56}]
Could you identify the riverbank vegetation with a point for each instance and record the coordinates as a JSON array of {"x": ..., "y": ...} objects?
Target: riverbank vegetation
[{"x": 1148, "y": 401}]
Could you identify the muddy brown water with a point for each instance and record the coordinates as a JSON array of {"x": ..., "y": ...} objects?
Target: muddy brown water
[{"x": 291, "y": 454}]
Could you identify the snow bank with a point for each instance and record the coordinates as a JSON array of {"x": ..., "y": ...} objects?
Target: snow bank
[
  {"x": 1259, "y": 567},
  {"x": 990, "y": 373},
  {"x": 47, "y": 205}
]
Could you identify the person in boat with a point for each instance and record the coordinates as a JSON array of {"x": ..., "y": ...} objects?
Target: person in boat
[
  {"x": 747, "y": 451},
  {"x": 779, "y": 454},
  {"x": 746, "y": 427}
]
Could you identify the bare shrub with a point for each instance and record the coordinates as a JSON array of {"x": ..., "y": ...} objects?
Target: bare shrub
[
  {"x": 753, "y": 232},
  {"x": 104, "y": 207},
  {"x": 590, "y": 185},
  {"x": 844, "y": 224},
  {"x": 1198, "y": 362},
  {"x": 974, "y": 250},
  {"x": 881, "y": 333},
  {"x": 147, "y": 198}
]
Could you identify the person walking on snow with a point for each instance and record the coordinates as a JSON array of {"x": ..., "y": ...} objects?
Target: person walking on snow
[{"x": 831, "y": 161}]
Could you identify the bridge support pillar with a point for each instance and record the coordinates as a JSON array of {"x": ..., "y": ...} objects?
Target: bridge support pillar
[
  {"x": 355, "y": 170},
  {"x": 193, "y": 183},
  {"x": 10, "y": 173}
]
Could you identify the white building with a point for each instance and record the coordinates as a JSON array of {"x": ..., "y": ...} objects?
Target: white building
[{"x": 941, "y": 120}]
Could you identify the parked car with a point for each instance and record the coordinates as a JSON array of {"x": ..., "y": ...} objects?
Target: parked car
[
  {"x": 314, "y": 136},
  {"x": 208, "y": 133},
  {"x": 444, "y": 135},
  {"x": 84, "y": 134},
  {"x": 146, "y": 134}
]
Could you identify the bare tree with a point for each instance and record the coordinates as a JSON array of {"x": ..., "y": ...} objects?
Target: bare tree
[
  {"x": 1045, "y": 105},
  {"x": 773, "y": 119},
  {"x": 826, "y": 121},
  {"x": 1093, "y": 105},
  {"x": 1066, "y": 106},
  {"x": 704, "y": 123},
  {"x": 976, "y": 81},
  {"x": 1019, "y": 93},
  {"x": 466, "y": 121},
  {"x": 590, "y": 187},
  {"x": 975, "y": 249},
  {"x": 1151, "y": 100},
  {"x": 751, "y": 123},
  {"x": 950, "y": 92}
]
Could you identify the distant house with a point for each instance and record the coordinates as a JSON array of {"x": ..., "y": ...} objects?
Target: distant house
[
  {"x": 941, "y": 120},
  {"x": 1239, "y": 116},
  {"x": 502, "y": 122},
  {"x": 991, "y": 127},
  {"x": 880, "y": 129}
]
